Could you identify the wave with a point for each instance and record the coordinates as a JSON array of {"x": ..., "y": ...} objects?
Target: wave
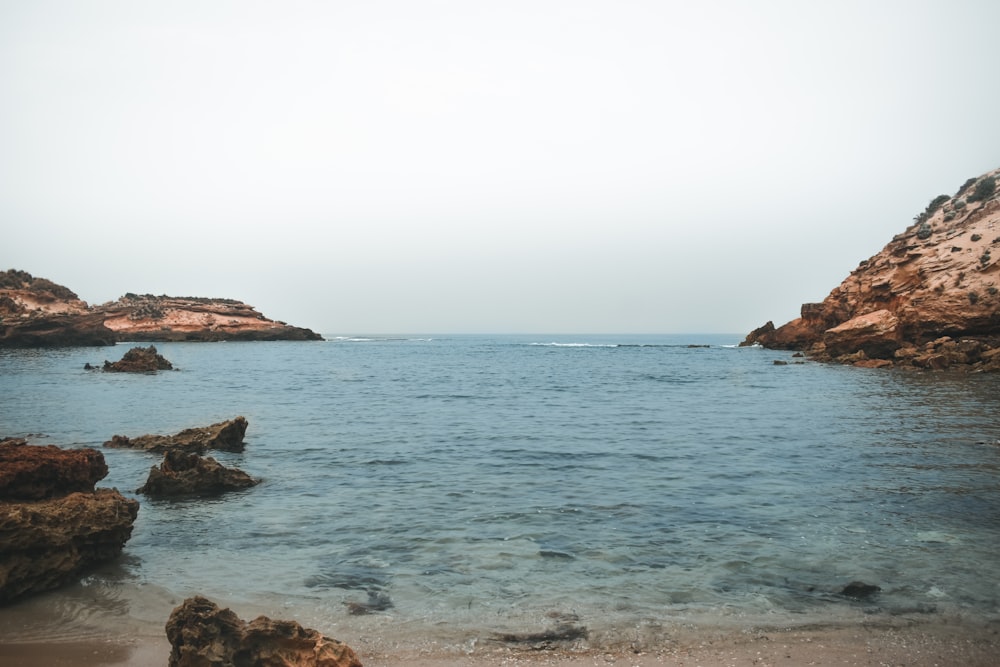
[
  {"x": 374, "y": 339},
  {"x": 554, "y": 344}
]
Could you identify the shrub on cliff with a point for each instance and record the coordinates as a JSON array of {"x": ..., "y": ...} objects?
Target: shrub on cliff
[
  {"x": 984, "y": 189},
  {"x": 935, "y": 204},
  {"x": 16, "y": 279}
]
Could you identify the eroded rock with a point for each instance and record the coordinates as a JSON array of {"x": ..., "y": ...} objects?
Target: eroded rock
[
  {"x": 53, "y": 525},
  {"x": 939, "y": 278},
  {"x": 139, "y": 360},
  {"x": 188, "y": 474},
  {"x": 32, "y": 472},
  {"x": 226, "y": 436},
  {"x": 203, "y": 635}
]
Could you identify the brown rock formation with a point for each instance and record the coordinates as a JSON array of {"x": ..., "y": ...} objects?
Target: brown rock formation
[
  {"x": 202, "y": 635},
  {"x": 226, "y": 436},
  {"x": 184, "y": 474},
  {"x": 35, "y": 312},
  {"x": 930, "y": 298},
  {"x": 34, "y": 473},
  {"x": 53, "y": 525},
  {"x": 164, "y": 318},
  {"x": 139, "y": 360}
]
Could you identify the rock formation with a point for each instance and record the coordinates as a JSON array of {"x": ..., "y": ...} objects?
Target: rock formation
[
  {"x": 139, "y": 360},
  {"x": 929, "y": 299},
  {"x": 226, "y": 436},
  {"x": 54, "y": 525},
  {"x": 184, "y": 474},
  {"x": 151, "y": 318},
  {"x": 35, "y": 312},
  {"x": 203, "y": 635}
]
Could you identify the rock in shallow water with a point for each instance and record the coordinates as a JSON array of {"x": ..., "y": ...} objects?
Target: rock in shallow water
[
  {"x": 53, "y": 525},
  {"x": 184, "y": 474},
  {"x": 139, "y": 360},
  {"x": 226, "y": 436}
]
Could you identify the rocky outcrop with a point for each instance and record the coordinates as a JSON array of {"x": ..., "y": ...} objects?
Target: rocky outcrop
[
  {"x": 35, "y": 473},
  {"x": 149, "y": 318},
  {"x": 226, "y": 436},
  {"x": 139, "y": 360},
  {"x": 54, "y": 526},
  {"x": 184, "y": 474},
  {"x": 930, "y": 298},
  {"x": 203, "y": 635},
  {"x": 35, "y": 312}
]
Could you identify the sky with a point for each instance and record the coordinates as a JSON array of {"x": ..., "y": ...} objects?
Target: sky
[{"x": 463, "y": 166}]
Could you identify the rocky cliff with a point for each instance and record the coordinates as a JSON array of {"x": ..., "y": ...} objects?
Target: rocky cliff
[
  {"x": 930, "y": 298},
  {"x": 36, "y": 312}
]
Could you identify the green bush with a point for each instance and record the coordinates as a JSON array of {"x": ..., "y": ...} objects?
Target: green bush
[
  {"x": 924, "y": 231},
  {"x": 965, "y": 186},
  {"x": 984, "y": 189}
]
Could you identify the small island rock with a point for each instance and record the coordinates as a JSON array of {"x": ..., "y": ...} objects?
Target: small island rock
[{"x": 139, "y": 360}]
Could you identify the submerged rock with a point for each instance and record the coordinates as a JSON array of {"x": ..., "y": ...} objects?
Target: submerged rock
[
  {"x": 185, "y": 474},
  {"x": 203, "y": 635},
  {"x": 54, "y": 526},
  {"x": 139, "y": 360},
  {"x": 226, "y": 436},
  {"x": 859, "y": 590}
]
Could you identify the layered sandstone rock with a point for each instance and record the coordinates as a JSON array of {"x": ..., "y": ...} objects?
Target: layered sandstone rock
[
  {"x": 35, "y": 312},
  {"x": 203, "y": 635},
  {"x": 163, "y": 318},
  {"x": 139, "y": 360},
  {"x": 54, "y": 526},
  {"x": 226, "y": 436},
  {"x": 930, "y": 298},
  {"x": 184, "y": 474}
]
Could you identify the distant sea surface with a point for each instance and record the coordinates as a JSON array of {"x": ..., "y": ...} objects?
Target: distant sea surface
[{"x": 471, "y": 485}]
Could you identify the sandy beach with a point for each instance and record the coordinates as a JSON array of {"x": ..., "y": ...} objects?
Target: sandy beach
[{"x": 910, "y": 645}]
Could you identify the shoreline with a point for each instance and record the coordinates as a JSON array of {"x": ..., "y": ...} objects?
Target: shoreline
[{"x": 972, "y": 643}]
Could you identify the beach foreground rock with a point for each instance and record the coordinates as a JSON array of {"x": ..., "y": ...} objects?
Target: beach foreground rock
[
  {"x": 187, "y": 474},
  {"x": 203, "y": 635},
  {"x": 226, "y": 436},
  {"x": 929, "y": 299},
  {"x": 54, "y": 525}
]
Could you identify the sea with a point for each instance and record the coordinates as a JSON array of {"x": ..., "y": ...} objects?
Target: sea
[{"x": 457, "y": 489}]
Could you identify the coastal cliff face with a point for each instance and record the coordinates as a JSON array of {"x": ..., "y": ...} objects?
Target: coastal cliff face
[
  {"x": 930, "y": 298},
  {"x": 35, "y": 312}
]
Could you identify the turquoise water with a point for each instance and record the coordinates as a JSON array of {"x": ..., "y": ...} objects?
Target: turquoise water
[{"x": 483, "y": 484}]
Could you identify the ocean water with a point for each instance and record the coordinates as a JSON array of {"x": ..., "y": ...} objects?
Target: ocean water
[{"x": 474, "y": 485}]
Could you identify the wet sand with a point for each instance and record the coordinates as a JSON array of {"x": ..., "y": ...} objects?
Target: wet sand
[{"x": 912, "y": 645}]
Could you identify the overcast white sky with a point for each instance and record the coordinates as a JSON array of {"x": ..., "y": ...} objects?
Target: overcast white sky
[{"x": 463, "y": 166}]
